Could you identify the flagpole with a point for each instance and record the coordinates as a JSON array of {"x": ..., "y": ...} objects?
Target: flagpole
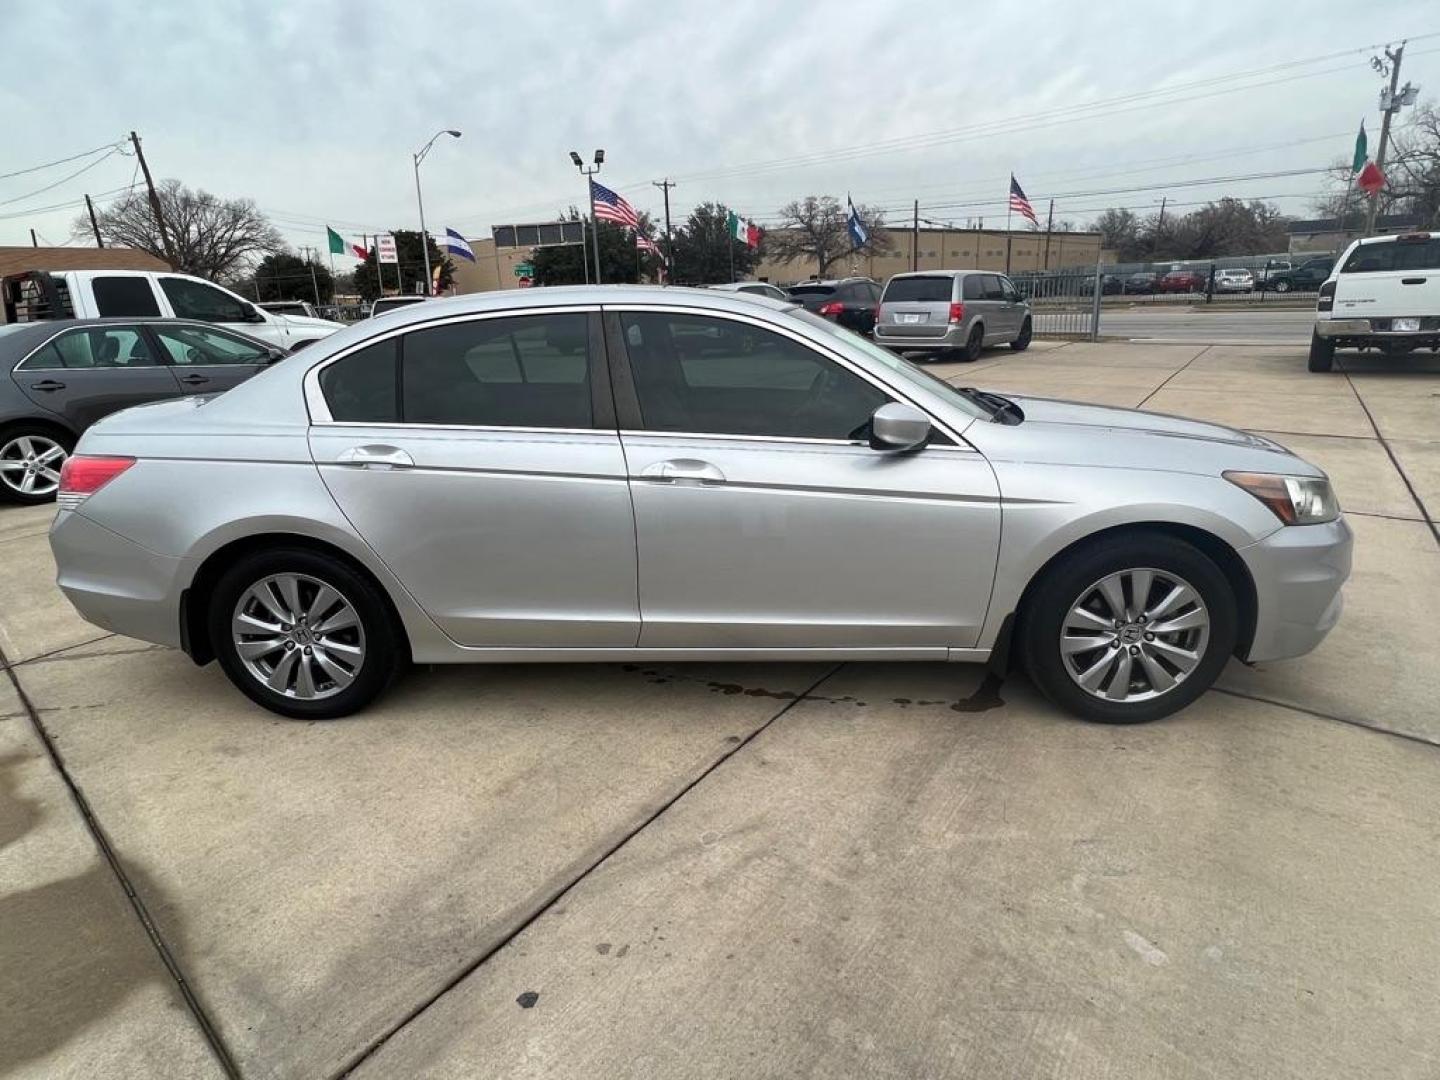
[
  {"x": 1049, "y": 222},
  {"x": 1009, "y": 242}
]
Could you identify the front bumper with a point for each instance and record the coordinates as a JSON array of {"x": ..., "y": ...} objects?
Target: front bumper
[
  {"x": 1298, "y": 571},
  {"x": 114, "y": 582}
]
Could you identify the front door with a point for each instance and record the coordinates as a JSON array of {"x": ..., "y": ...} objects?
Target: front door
[
  {"x": 1000, "y": 325},
  {"x": 191, "y": 299},
  {"x": 92, "y": 371},
  {"x": 762, "y": 517},
  {"x": 479, "y": 459},
  {"x": 207, "y": 360}
]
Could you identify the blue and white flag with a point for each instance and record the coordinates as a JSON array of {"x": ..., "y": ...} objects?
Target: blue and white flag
[
  {"x": 855, "y": 226},
  {"x": 455, "y": 244}
]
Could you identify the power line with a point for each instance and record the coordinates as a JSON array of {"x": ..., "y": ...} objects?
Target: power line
[
  {"x": 63, "y": 180},
  {"x": 71, "y": 204},
  {"x": 61, "y": 161}
]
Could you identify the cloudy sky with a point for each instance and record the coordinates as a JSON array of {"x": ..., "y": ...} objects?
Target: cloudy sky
[{"x": 313, "y": 107}]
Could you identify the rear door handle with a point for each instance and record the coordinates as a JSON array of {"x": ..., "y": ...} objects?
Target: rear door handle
[
  {"x": 1412, "y": 281},
  {"x": 375, "y": 456},
  {"x": 193, "y": 380},
  {"x": 683, "y": 469},
  {"x": 47, "y": 386}
]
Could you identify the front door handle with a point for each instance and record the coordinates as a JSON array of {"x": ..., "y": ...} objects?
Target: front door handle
[
  {"x": 683, "y": 469},
  {"x": 375, "y": 456},
  {"x": 194, "y": 380},
  {"x": 47, "y": 386},
  {"x": 1412, "y": 281}
]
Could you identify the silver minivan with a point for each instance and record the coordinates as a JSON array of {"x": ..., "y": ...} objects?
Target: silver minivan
[{"x": 952, "y": 311}]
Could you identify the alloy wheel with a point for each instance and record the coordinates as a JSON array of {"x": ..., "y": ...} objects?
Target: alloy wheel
[
  {"x": 30, "y": 465},
  {"x": 1134, "y": 635},
  {"x": 298, "y": 636}
]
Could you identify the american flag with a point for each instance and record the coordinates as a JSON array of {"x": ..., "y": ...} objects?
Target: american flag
[
  {"x": 644, "y": 243},
  {"x": 1019, "y": 203},
  {"x": 611, "y": 207}
]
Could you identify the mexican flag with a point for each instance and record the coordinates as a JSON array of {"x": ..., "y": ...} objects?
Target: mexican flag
[
  {"x": 1360, "y": 156},
  {"x": 742, "y": 230},
  {"x": 337, "y": 245}
]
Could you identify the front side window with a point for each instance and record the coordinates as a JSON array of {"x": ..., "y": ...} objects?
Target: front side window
[
  {"x": 712, "y": 376},
  {"x": 127, "y": 297},
  {"x": 993, "y": 288},
  {"x": 196, "y": 300},
  {"x": 523, "y": 371},
  {"x": 107, "y": 347},
  {"x": 196, "y": 345},
  {"x": 1012, "y": 293}
]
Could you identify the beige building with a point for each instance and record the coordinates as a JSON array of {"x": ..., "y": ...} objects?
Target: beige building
[{"x": 493, "y": 268}]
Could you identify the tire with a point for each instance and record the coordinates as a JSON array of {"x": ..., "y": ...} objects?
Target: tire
[
  {"x": 375, "y": 633},
  {"x": 974, "y": 344},
  {"x": 1322, "y": 352},
  {"x": 1049, "y": 617},
  {"x": 29, "y": 465},
  {"x": 1021, "y": 343},
  {"x": 1282, "y": 286}
]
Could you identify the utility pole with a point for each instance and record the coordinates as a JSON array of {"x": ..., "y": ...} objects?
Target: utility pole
[
  {"x": 665, "y": 186},
  {"x": 1390, "y": 103},
  {"x": 90, "y": 206},
  {"x": 1049, "y": 223},
  {"x": 1160, "y": 224},
  {"x": 915, "y": 238},
  {"x": 33, "y": 241},
  {"x": 155, "y": 204},
  {"x": 310, "y": 256}
]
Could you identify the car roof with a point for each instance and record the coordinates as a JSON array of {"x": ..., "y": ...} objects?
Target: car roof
[
  {"x": 941, "y": 273},
  {"x": 1390, "y": 238}
]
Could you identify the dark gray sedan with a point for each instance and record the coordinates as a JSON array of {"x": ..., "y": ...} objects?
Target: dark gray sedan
[{"x": 57, "y": 378}]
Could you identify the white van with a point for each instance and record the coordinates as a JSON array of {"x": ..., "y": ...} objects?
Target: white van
[{"x": 1384, "y": 293}]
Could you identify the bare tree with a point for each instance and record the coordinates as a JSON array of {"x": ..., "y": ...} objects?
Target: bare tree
[
  {"x": 212, "y": 237},
  {"x": 815, "y": 228}
]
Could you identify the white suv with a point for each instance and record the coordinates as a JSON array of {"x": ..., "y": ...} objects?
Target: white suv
[{"x": 1384, "y": 293}]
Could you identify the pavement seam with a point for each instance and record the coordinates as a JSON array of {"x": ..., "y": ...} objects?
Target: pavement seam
[
  {"x": 1408, "y": 736},
  {"x": 1172, "y": 375},
  {"x": 55, "y": 652},
  {"x": 368, "y": 1051},
  {"x": 1379, "y": 436},
  {"x": 97, "y": 834}
]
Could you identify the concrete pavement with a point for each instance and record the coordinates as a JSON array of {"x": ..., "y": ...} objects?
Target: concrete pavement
[{"x": 889, "y": 870}]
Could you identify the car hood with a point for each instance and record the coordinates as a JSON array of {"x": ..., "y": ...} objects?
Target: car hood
[
  {"x": 1074, "y": 433},
  {"x": 305, "y": 322}
]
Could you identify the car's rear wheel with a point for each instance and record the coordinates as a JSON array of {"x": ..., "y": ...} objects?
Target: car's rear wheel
[
  {"x": 1129, "y": 630},
  {"x": 30, "y": 461},
  {"x": 1322, "y": 352},
  {"x": 304, "y": 634},
  {"x": 1021, "y": 343},
  {"x": 974, "y": 344}
]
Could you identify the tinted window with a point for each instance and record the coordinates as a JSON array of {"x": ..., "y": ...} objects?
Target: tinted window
[
  {"x": 713, "y": 376},
  {"x": 1397, "y": 255},
  {"x": 935, "y": 290},
  {"x": 809, "y": 292},
  {"x": 873, "y": 291},
  {"x": 973, "y": 287},
  {"x": 528, "y": 371},
  {"x": 128, "y": 297},
  {"x": 362, "y": 387},
  {"x": 108, "y": 347},
  {"x": 196, "y": 345},
  {"x": 992, "y": 287},
  {"x": 1012, "y": 293},
  {"x": 196, "y": 300}
]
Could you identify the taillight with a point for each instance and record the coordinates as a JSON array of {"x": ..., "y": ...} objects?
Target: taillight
[
  {"x": 957, "y": 312},
  {"x": 878, "y": 309},
  {"x": 1326, "y": 300},
  {"x": 82, "y": 475},
  {"x": 834, "y": 307}
]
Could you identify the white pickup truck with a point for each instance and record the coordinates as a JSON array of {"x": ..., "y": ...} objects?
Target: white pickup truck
[
  {"x": 87, "y": 294},
  {"x": 1383, "y": 294}
]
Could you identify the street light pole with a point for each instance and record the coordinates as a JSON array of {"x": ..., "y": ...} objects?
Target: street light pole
[
  {"x": 588, "y": 171},
  {"x": 420, "y": 203}
]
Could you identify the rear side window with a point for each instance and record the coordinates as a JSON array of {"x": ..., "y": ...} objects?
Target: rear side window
[
  {"x": 128, "y": 297},
  {"x": 102, "y": 347},
  {"x": 934, "y": 290},
  {"x": 526, "y": 371},
  {"x": 973, "y": 288},
  {"x": 1397, "y": 255},
  {"x": 363, "y": 388}
]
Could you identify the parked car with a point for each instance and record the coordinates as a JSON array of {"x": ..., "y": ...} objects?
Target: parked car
[
  {"x": 769, "y": 487},
  {"x": 1182, "y": 281},
  {"x": 1141, "y": 283},
  {"x": 394, "y": 303},
  {"x": 59, "y": 377},
  {"x": 952, "y": 312},
  {"x": 142, "y": 294},
  {"x": 1382, "y": 295},
  {"x": 754, "y": 288},
  {"x": 288, "y": 307},
  {"x": 851, "y": 302},
  {"x": 1307, "y": 277},
  {"x": 1234, "y": 280},
  {"x": 1273, "y": 266}
]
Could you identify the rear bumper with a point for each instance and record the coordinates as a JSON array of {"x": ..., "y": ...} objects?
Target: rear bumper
[
  {"x": 1378, "y": 330},
  {"x": 1298, "y": 571},
  {"x": 114, "y": 582},
  {"x": 953, "y": 338}
]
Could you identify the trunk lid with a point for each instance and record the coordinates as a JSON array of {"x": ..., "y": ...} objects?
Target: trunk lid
[{"x": 918, "y": 305}]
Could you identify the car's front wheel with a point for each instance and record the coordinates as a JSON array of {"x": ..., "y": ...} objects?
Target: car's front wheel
[
  {"x": 1129, "y": 629},
  {"x": 1021, "y": 343},
  {"x": 30, "y": 462},
  {"x": 1322, "y": 352},
  {"x": 304, "y": 634}
]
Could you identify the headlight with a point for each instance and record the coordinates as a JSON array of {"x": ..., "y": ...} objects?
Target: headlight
[{"x": 1295, "y": 500}]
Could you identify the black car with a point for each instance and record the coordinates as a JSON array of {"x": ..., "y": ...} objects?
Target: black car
[
  {"x": 851, "y": 302},
  {"x": 60, "y": 376},
  {"x": 1139, "y": 284},
  {"x": 1307, "y": 277}
]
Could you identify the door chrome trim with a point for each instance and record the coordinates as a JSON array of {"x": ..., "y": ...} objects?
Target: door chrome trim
[{"x": 963, "y": 447}]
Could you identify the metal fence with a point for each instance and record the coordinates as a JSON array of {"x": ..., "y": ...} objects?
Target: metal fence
[{"x": 1063, "y": 303}]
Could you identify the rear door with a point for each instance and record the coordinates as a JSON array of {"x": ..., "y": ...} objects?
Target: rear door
[
  {"x": 1392, "y": 279},
  {"x": 917, "y": 305},
  {"x": 92, "y": 371},
  {"x": 206, "y": 359},
  {"x": 124, "y": 296}
]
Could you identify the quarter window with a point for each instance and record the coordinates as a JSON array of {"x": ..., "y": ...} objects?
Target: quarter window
[
  {"x": 110, "y": 347},
  {"x": 196, "y": 300},
  {"x": 714, "y": 376},
  {"x": 128, "y": 297},
  {"x": 363, "y": 388}
]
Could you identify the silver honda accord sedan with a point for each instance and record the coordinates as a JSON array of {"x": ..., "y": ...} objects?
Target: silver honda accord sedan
[{"x": 629, "y": 473}]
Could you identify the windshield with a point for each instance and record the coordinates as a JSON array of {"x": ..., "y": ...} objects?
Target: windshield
[{"x": 897, "y": 365}]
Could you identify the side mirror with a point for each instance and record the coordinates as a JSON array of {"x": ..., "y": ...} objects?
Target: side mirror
[
  {"x": 896, "y": 427},
  {"x": 256, "y": 315},
  {"x": 274, "y": 356}
]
